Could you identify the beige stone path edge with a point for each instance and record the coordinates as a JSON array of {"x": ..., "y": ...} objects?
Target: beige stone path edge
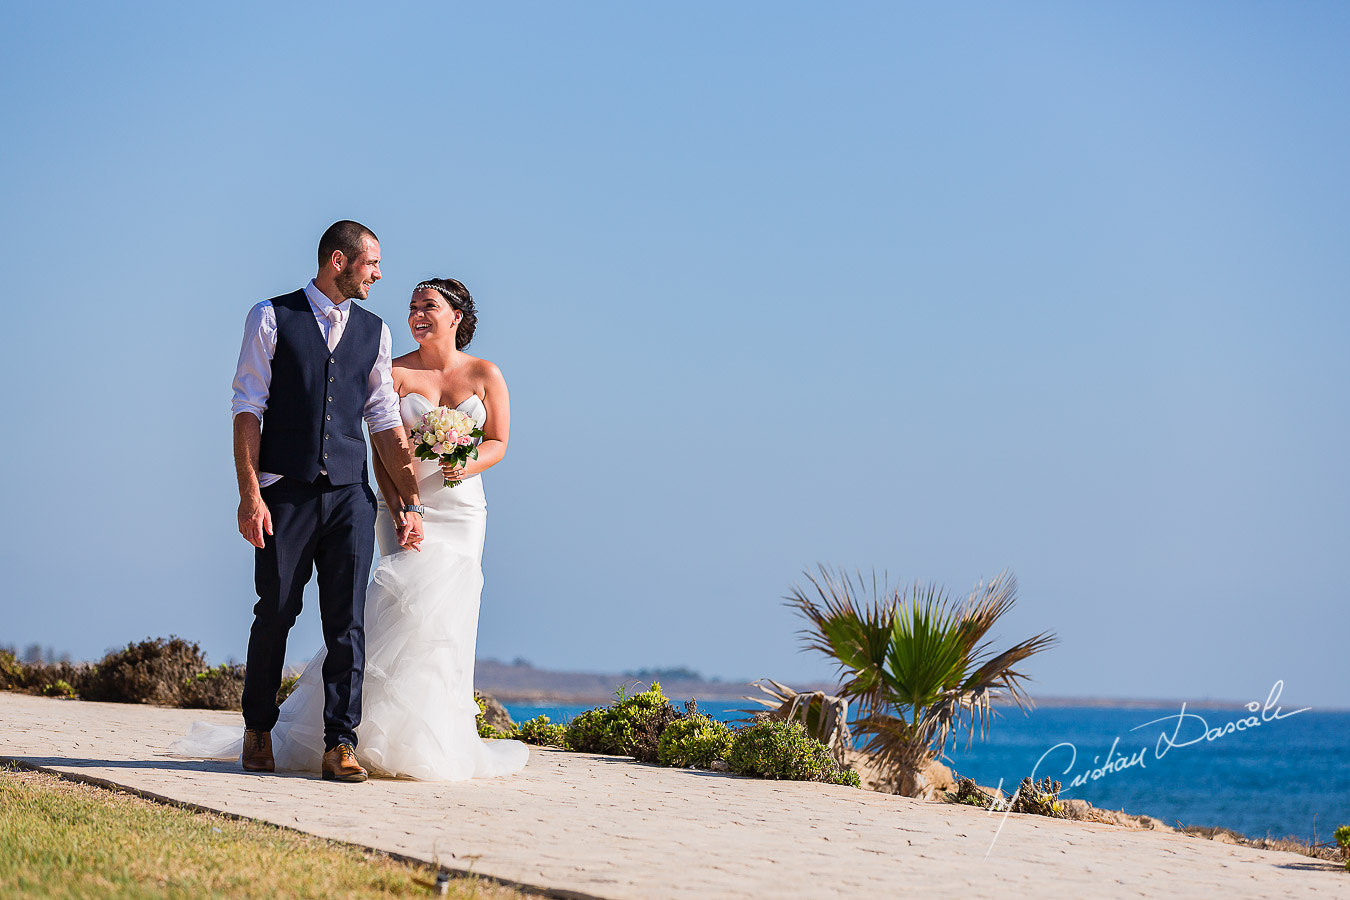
[
  {"x": 581, "y": 825},
  {"x": 104, "y": 783}
]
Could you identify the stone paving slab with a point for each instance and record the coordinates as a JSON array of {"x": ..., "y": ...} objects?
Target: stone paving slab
[{"x": 597, "y": 826}]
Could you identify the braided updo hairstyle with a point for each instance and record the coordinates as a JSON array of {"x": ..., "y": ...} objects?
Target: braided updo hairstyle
[{"x": 458, "y": 296}]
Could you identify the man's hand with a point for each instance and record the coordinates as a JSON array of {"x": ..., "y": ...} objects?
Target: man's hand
[
  {"x": 410, "y": 531},
  {"x": 254, "y": 519}
]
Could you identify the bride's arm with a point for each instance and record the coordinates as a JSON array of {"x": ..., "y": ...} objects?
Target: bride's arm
[{"x": 498, "y": 405}]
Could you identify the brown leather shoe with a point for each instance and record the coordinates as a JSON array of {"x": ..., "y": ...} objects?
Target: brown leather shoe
[
  {"x": 339, "y": 764},
  {"x": 257, "y": 755}
]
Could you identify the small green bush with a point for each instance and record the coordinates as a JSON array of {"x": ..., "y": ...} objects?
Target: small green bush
[
  {"x": 784, "y": 750},
  {"x": 1039, "y": 798},
  {"x": 11, "y": 672},
  {"x": 695, "y": 741},
  {"x": 647, "y": 733},
  {"x": 59, "y": 688},
  {"x": 42, "y": 677},
  {"x": 288, "y": 683},
  {"x": 153, "y": 671},
  {"x": 540, "y": 731},
  {"x": 217, "y": 688},
  {"x": 614, "y": 730},
  {"x": 484, "y": 729}
]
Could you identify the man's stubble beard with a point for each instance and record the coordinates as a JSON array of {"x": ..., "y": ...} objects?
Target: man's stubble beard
[{"x": 348, "y": 284}]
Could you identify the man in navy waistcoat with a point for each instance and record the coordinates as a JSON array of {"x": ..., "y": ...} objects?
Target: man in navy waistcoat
[{"x": 313, "y": 366}]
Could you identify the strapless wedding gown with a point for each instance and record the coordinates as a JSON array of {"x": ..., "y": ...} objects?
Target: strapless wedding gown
[{"x": 418, "y": 715}]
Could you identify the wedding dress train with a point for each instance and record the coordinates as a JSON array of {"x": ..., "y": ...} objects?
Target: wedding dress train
[{"x": 417, "y": 711}]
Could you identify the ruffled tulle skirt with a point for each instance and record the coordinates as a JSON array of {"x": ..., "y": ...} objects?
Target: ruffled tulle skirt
[{"x": 418, "y": 717}]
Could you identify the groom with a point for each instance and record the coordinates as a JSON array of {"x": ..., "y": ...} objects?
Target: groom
[{"x": 312, "y": 366}]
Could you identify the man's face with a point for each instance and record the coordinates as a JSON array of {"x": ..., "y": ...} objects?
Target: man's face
[{"x": 357, "y": 275}]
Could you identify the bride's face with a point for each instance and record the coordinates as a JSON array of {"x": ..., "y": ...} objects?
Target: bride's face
[{"x": 429, "y": 315}]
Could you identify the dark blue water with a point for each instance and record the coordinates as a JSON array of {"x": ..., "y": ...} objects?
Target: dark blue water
[{"x": 1276, "y": 778}]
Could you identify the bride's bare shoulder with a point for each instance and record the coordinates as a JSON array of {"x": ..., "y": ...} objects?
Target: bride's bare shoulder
[{"x": 484, "y": 370}]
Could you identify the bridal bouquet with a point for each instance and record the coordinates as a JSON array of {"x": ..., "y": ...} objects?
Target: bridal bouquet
[{"x": 446, "y": 436}]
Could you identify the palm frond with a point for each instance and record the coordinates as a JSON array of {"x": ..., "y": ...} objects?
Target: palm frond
[{"x": 850, "y": 630}]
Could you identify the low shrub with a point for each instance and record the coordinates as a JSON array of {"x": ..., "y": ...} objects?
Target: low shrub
[
  {"x": 647, "y": 733},
  {"x": 288, "y": 683},
  {"x": 614, "y": 729},
  {"x": 11, "y": 672},
  {"x": 784, "y": 750},
  {"x": 43, "y": 678},
  {"x": 1039, "y": 798},
  {"x": 59, "y": 688},
  {"x": 217, "y": 688},
  {"x": 969, "y": 793},
  {"x": 1343, "y": 839},
  {"x": 695, "y": 741},
  {"x": 484, "y": 729},
  {"x": 542, "y": 732},
  {"x": 154, "y": 671}
]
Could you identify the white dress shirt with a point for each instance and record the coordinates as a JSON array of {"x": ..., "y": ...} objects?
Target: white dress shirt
[{"x": 253, "y": 375}]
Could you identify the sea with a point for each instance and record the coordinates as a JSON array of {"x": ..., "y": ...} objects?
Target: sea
[{"x": 1267, "y": 772}]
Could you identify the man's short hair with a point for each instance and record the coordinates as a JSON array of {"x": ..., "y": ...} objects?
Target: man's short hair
[{"x": 345, "y": 236}]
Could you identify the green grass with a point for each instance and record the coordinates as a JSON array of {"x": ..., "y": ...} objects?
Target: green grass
[{"x": 62, "y": 839}]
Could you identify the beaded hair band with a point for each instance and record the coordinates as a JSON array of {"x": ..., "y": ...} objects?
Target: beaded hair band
[{"x": 444, "y": 292}]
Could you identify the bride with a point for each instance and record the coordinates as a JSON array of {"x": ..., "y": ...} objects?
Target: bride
[{"x": 418, "y": 710}]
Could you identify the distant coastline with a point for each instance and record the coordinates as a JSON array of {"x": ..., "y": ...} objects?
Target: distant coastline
[{"x": 522, "y": 683}]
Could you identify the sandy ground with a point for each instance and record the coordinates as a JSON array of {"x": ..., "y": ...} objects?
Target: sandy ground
[{"x": 596, "y": 826}]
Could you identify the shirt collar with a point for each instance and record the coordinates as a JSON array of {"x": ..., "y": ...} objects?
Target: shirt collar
[{"x": 319, "y": 300}]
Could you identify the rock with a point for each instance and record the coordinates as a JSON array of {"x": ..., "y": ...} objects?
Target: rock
[
  {"x": 928, "y": 782},
  {"x": 719, "y": 765},
  {"x": 494, "y": 713},
  {"x": 1079, "y": 809}
]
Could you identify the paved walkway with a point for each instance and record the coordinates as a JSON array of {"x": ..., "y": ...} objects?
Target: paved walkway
[{"x": 597, "y": 826}]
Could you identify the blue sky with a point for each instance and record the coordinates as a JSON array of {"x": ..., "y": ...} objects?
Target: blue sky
[{"x": 1057, "y": 288}]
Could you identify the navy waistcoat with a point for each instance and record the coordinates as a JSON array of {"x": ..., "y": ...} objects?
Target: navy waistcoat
[{"x": 314, "y": 407}]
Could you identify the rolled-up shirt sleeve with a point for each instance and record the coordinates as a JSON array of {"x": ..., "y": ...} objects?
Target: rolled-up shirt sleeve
[
  {"x": 253, "y": 374},
  {"x": 381, "y": 412}
]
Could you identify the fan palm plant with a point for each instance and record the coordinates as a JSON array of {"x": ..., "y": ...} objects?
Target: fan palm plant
[{"x": 918, "y": 665}]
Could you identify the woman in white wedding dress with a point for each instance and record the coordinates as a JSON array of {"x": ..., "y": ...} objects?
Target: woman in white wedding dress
[{"x": 418, "y": 717}]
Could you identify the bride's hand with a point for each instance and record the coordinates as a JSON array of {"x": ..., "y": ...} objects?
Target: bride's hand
[
  {"x": 410, "y": 531},
  {"x": 453, "y": 472}
]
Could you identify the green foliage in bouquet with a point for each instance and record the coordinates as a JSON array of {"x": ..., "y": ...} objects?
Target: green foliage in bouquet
[
  {"x": 785, "y": 750},
  {"x": 694, "y": 741},
  {"x": 423, "y": 441}
]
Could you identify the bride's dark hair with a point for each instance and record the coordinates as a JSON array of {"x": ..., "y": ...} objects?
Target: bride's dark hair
[{"x": 458, "y": 296}]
